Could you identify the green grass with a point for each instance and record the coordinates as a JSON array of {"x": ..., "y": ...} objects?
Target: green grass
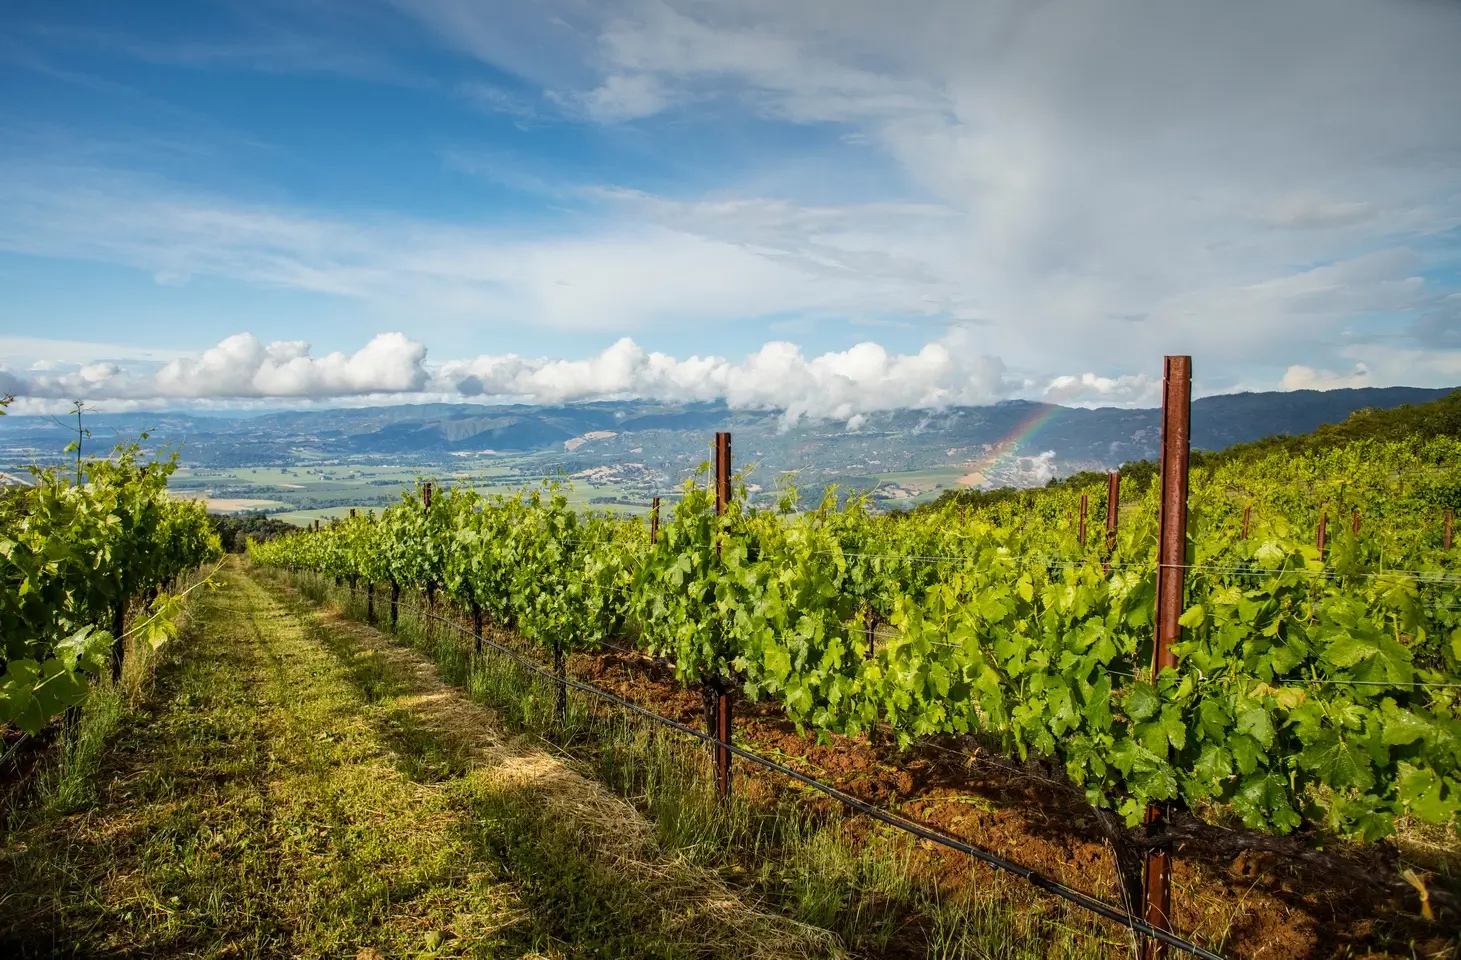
[
  {"x": 298, "y": 787},
  {"x": 807, "y": 866},
  {"x": 305, "y": 518},
  {"x": 308, "y": 496},
  {"x": 255, "y": 814}
]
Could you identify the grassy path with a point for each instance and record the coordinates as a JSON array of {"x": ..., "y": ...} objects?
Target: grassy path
[{"x": 303, "y": 788}]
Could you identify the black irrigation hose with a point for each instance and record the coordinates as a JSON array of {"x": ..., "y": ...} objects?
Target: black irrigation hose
[{"x": 1049, "y": 885}]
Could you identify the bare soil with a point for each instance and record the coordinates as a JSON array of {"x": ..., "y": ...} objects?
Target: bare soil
[{"x": 1258, "y": 905}]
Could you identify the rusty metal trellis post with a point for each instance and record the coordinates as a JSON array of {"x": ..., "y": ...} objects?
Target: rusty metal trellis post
[
  {"x": 1247, "y": 516},
  {"x": 1446, "y": 533},
  {"x": 353, "y": 577},
  {"x": 721, "y": 713},
  {"x": 1321, "y": 535},
  {"x": 426, "y": 508},
  {"x": 1171, "y": 583},
  {"x": 476, "y": 627},
  {"x": 1113, "y": 512},
  {"x": 1083, "y": 520},
  {"x": 654, "y": 521}
]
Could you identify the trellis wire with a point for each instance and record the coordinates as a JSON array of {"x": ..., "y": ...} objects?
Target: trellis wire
[{"x": 1033, "y": 877}]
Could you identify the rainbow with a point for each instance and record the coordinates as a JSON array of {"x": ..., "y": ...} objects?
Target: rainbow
[{"x": 1007, "y": 448}]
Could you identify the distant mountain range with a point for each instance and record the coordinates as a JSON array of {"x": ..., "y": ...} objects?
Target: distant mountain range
[{"x": 1016, "y": 441}]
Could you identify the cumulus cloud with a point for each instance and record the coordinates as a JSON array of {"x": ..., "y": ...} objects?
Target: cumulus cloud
[
  {"x": 243, "y": 372},
  {"x": 837, "y": 385},
  {"x": 1091, "y": 389},
  {"x": 1307, "y": 378},
  {"x": 1041, "y": 469},
  {"x": 243, "y": 366}
]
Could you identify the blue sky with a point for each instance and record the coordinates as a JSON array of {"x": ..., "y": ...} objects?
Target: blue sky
[{"x": 831, "y": 207}]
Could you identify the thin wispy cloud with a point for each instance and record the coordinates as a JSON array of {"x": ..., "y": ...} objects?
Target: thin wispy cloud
[{"x": 1080, "y": 188}]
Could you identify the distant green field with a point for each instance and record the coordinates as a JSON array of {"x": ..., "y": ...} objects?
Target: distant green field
[
  {"x": 325, "y": 492},
  {"x": 923, "y": 485},
  {"x": 304, "y": 518}
]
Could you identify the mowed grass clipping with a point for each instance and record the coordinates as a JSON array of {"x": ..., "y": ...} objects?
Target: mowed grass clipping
[{"x": 295, "y": 792}]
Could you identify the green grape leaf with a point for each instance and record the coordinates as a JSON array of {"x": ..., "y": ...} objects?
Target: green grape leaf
[
  {"x": 1255, "y": 721},
  {"x": 1141, "y": 701}
]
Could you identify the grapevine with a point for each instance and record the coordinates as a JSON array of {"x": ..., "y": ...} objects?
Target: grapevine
[
  {"x": 1310, "y": 689},
  {"x": 74, "y": 551}
]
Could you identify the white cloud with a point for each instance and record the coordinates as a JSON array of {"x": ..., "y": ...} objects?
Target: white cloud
[
  {"x": 1307, "y": 378},
  {"x": 243, "y": 366},
  {"x": 1089, "y": 389},
  {"x": 50, "y": 352},
  {"x": 497, "y": 100},
  {"x": 245, "y": 373},
  {"x": 1039, "y": 469},
  {"x": 607, "y": 275},
  {"x": 838, "y": 385},
  {"x": 1383, "y": 365},
  {"x": 1303, "y": 211},
  {"x": 625, "y": 97}
]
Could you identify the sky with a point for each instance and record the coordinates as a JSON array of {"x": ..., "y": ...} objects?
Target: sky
[{"x": 824, "y": 206}]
